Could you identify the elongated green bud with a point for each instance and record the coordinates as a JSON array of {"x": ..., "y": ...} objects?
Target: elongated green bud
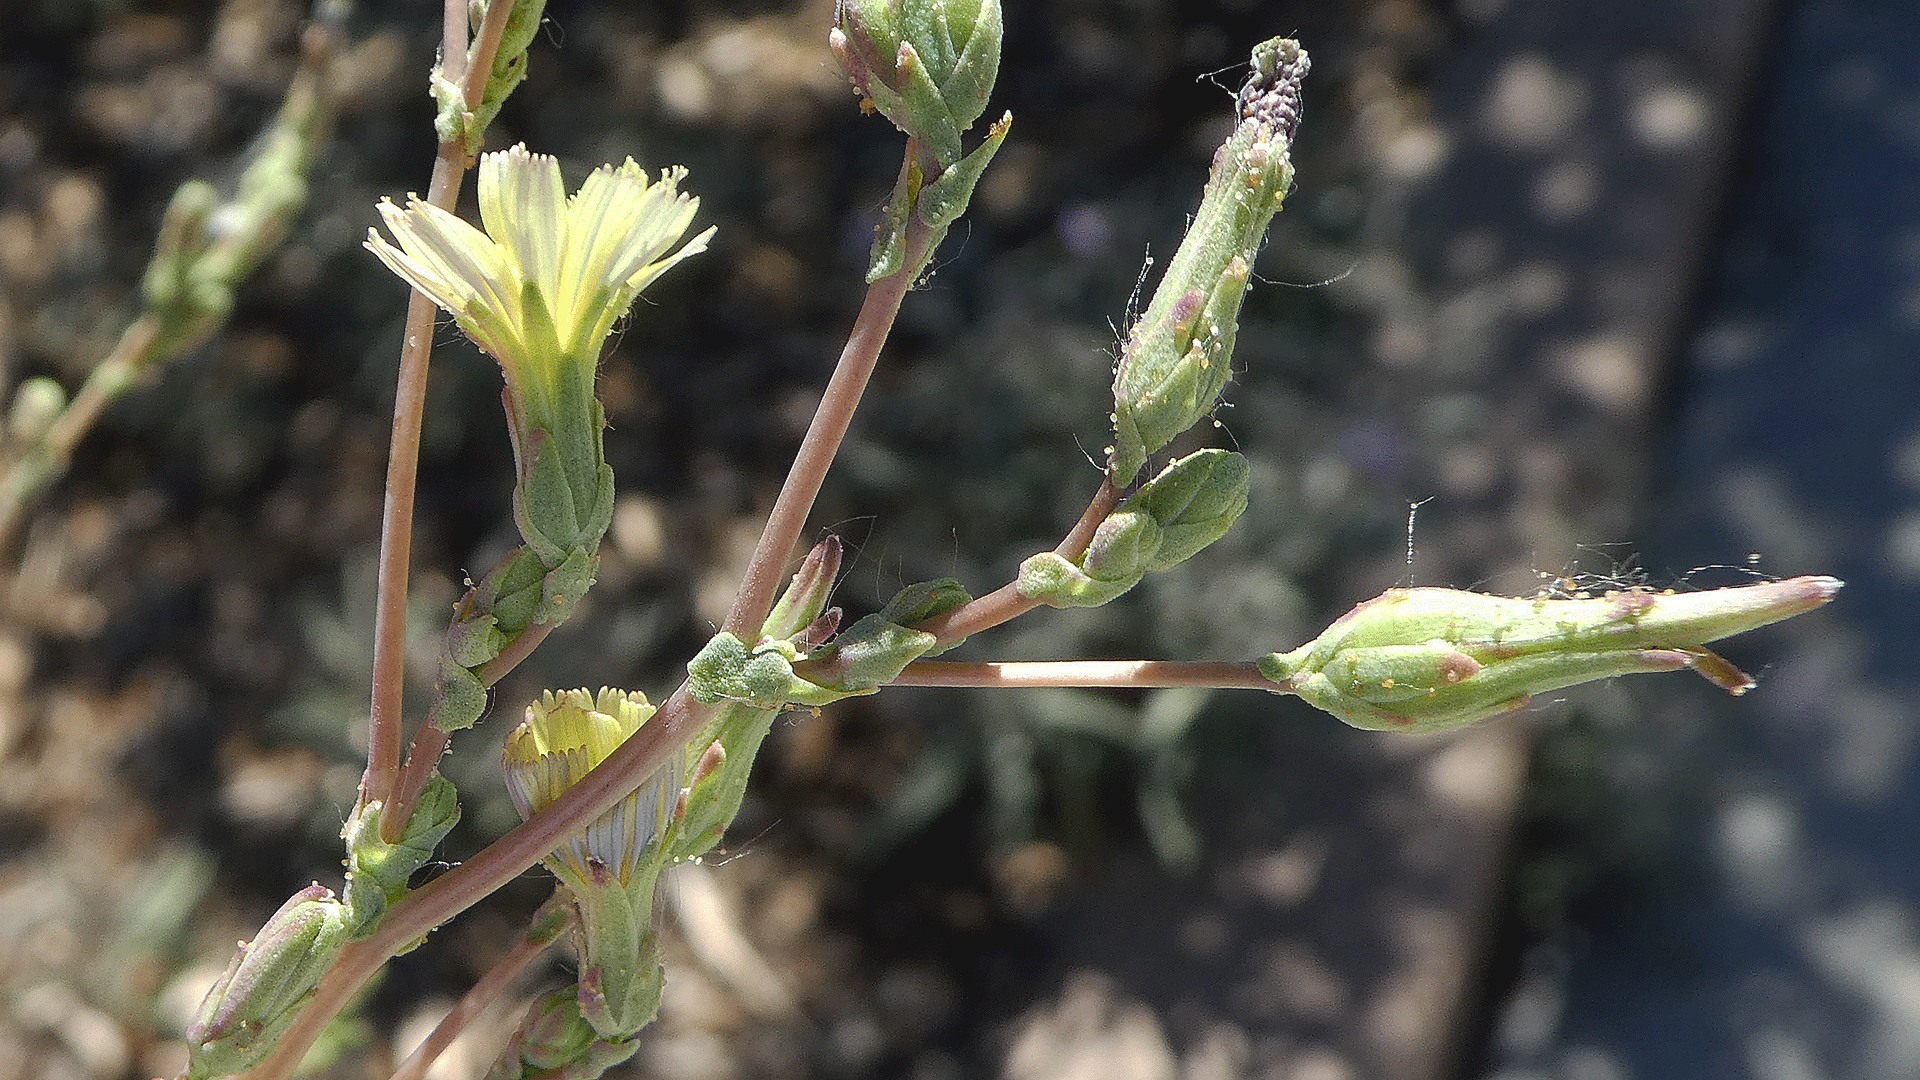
[
  {"x": 806, "y": 597},
  {"x": 777, "y": 672},
  {"x": 1425, "y": 660},
  {"x": 260, "y": 992},
  {"x": 873, "y": 651},
  {"x": 1192, "y": 503},
  {"x": 1179, "y": 354}
]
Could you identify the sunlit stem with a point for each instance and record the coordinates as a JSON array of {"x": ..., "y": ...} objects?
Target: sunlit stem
[
  {"x": 1122, "y": 673},
  {"x": 403, "y": 455},
  {"x": 822, "y": 441}
]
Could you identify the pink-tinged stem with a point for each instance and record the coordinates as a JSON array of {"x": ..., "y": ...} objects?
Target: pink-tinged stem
[
  {"x": 1007, "y": 602},
  {"x": 1134, "y": 673},
  {"x": 824, "y": 435},
  {"x": 485, "y": 992},
  {"x": 382, "y": 777},
  {"x": 430, "y": 741}
]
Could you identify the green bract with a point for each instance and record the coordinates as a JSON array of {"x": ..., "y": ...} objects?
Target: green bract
[
  {"x": 378, "y": 873},
  {"x": 452, "y": 120}
]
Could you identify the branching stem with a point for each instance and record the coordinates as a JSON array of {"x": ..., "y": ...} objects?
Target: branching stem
[
  {"x": 430, "y": 740},
  {"x": 23, "y": 481},
  {"x": 540, "y": 934}
]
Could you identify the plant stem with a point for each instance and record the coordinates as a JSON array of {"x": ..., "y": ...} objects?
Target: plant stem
[
  {"x": 430, "y": 740},
  {"x": 26, "y": 478},
  {"x": 1007, "y": 602},
  {"x": 483, "y": 993},
  {"x": 822, "y": 441},
  {"x": 379, "y": 782},
  {"x": 396, "y": 544},
  {"x": 1241, "y": 675},
  {"x": 425, "y": 908}
]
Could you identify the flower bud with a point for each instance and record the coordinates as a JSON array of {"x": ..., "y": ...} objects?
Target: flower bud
[
  {"x": 261, "y": 990},
  {"x": 806, "y": 595},
  {"x": 927, "y": 65},
  {"x": 1178, "y": 355},
  {"x": 1195, "y": 501},
  {"x": 554, "y": 1040},
  {"x": 1192, "y": 503},
  {"x": 1425, "y": 660},
  {"x": 37, "y": 403},
  {"x": 873, "y": 651}
]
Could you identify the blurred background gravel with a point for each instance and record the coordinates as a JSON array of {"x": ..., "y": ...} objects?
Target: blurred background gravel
[{"x": 1619, "y": 293}]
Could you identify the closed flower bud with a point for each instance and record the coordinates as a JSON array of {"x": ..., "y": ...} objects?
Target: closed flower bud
[
  {"x": 927, "y": 65},
  {"x": 1195, "y": 501},
  {"x": 806, "y": 596},
  {"x": 555, "y": 1041},
  {"x": 37, "y": 403},
  {"x": 1425, "y": 660},
  {"x": 1192, "y": 503},
  {"x": 1178, "y": 355},
  {"x": 261, "y": 990}
]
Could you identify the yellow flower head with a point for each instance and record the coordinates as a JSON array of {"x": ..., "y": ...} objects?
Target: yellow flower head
[
  {"x": 563, "y": 737},
  {"x": 550, "y": 273},
  {"x": 540, "y": 290}
]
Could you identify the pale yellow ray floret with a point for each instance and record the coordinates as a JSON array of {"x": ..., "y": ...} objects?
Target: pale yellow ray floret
[{"x": 549, "y": 272}]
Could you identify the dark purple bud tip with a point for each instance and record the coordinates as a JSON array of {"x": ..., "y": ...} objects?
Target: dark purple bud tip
[{"x": 1271, "y": 96}]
